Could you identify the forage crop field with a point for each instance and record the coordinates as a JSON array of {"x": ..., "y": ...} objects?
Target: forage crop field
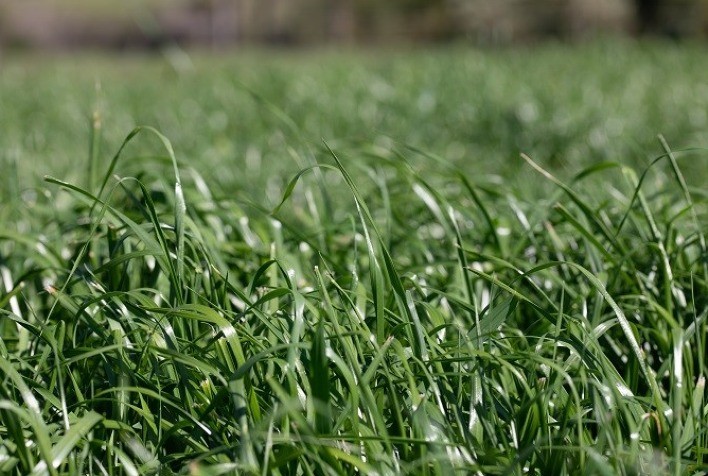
[{"x": 449, "y": 261}]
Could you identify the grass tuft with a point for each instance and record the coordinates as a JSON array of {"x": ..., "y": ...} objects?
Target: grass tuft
[{"x": 383, "y": 310}]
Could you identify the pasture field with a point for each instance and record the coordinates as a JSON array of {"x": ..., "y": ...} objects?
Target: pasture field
[{"x": 444, "y": 261}]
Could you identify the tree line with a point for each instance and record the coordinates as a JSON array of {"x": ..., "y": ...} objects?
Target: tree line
[{"x": 291, "y": 22}]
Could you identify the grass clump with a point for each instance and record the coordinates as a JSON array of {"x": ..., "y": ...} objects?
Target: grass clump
[{"x": 390, "y": 313}]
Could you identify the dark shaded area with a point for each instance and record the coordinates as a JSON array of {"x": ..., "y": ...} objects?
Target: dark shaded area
[{"x": 648, "y": 15}]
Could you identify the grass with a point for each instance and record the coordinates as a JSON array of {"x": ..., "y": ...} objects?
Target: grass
[{"x": 229, "y": 293}]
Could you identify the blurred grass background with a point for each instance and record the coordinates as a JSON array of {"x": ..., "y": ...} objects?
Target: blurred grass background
[
  {"x": 600, "y": 101},
  {"x": 407, "y": 78}
]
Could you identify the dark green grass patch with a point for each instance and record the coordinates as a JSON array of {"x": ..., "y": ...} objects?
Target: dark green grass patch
[{"x": 388, "y": 310}]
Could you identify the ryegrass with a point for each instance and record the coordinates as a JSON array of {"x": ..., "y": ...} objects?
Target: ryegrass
[{"x": 390, "y": 309}]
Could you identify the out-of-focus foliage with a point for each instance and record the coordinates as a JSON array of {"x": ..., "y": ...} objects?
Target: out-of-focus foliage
[{"x": 155, "y": 23}]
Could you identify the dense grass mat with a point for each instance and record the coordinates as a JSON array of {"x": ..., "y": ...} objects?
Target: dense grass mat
[{"x": 409, "y": 295}]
